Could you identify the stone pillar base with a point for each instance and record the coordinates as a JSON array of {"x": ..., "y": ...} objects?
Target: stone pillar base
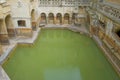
[
  {"x": 24, "y": 32},
  {"x": 4, "y": 39},
  {"x": 11, "y": 32},
  {"x": 34, "y": 26}
]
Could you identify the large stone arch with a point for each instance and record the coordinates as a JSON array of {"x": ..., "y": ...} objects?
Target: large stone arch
[
  {"x": 51, "y": 18},
  {"x": 66, "y": 18},
  {"x": 43, "y": 18},
  {"x": 58, "y": 18},
  {"x": 9, "y": 26},
  {"x": 33, "y": 20}
]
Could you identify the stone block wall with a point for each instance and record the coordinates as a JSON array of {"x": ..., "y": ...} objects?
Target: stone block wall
[
  {"x": 4, "y": 39},
  {"x": 27, "y": 32}
]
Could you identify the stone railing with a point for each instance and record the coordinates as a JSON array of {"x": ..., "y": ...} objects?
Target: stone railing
[
  {"x": 60, "y": 4},
  {"x": 81, "y": 15},
  {"x": 109, "y": 11},
  {"x": 83, "y": 3}
]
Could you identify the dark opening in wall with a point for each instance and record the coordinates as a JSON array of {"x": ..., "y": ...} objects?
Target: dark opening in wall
[
  {"x": 21, "y": 23},
  {"x": 118, "y": 33},
  {"x": 102, "y": 24}
]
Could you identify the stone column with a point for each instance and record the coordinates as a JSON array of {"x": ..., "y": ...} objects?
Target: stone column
[
  {"x": 37, "y": 22},
  {"x": 70, "y": 20},
  {"x": 62, "y": 20},
  {"x": 109, "y": 28},
  {"x": 10, "y": 28},
  {"x": 34, "y": 25},
  {"x": 55, "y": 20},
  {"x": 4, "y": 39},
  {"x": 47, "y": 20}
]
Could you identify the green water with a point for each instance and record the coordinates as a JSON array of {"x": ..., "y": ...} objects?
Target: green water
[{"x": 60, "y": 55}]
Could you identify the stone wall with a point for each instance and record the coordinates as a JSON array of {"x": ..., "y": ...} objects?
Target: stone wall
[
  {"x": 27, "y": 32},
  {"x": 4, "y": 39}
]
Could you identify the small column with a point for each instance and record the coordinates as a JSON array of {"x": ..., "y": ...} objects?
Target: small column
[
  {"x": 47, "y": 20},
  {"x": 37, "y": 23},
  {"x": 55, "y": 20},
  {"x": 34, "y": 25},
  {"x": 62, "y": 20},
  {"x": 70, "y": 20}
]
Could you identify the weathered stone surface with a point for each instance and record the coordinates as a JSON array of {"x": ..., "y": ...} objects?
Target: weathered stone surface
[
  {"x": 3, "y": 75},
  {"x": 4, "y": 39}
]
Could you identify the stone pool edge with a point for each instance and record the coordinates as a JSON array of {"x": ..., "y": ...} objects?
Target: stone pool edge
[
  {"x": 10, "y": 48},
  {"x": 99, "y": 43},
  {"x": 81, "y": 30}
]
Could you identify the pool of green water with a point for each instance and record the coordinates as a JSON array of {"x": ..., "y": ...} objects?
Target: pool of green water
[{"x": 59, "y": 55}]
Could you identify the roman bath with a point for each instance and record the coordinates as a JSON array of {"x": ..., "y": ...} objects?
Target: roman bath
[{"x": 59, "y": 39}]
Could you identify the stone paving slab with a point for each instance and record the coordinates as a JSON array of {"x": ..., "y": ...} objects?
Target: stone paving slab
[
  {"x": 25, "y": 39},
  {"x": 6, "y": 52},
  {"x": 3, "y": 75}
]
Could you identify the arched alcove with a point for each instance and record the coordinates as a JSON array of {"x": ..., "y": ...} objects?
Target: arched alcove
[
  {"x": 51, "y": 18},
  {"x": 43, "y": 18},
  {"x": 59, "y": 18},
  {"x": 66, "y": 18},
  {"x": 9, "y": 26}
]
